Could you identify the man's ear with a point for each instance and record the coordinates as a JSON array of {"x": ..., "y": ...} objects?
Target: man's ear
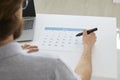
[{"x": 19, "y": 13}]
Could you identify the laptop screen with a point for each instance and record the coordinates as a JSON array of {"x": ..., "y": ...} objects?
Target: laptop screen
[{"x": 28, "y": 8}]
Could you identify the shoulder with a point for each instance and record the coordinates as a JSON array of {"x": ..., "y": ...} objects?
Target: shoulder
[
  {"x": 50, "y": 66},
  {"x": 37, "y": 59}
]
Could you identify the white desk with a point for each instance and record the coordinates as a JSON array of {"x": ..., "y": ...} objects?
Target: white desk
[{"x": 104, "y": 52}]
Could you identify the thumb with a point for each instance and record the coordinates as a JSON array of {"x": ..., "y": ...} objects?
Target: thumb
[{"x": 84, "y": 32}]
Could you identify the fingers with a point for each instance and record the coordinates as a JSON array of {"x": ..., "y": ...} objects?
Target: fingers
[
  {"x": 93, "y": 34},
  {"x": 30, "y": 48},
  {"x": 33, "y": 50},
  {"x": 84, "y": 32},
  {"x": 89, "y": 39},
  {"x": 25, "y": 46}
]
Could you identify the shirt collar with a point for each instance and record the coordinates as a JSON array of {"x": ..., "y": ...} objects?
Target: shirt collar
[{"x": 10, "y": 49}]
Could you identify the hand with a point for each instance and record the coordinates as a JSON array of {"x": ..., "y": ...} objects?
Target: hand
[
  {"x": 88, "y": 39},
  {"x": 30, "y": 48}
]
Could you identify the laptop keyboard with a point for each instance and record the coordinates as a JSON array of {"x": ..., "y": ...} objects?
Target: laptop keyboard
[{"x": 28, "y": 24}]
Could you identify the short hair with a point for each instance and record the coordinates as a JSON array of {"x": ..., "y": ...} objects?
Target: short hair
[{"x": 8, "y": 20}]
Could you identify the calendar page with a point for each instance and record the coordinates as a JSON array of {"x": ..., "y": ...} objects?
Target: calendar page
[{"x": 60, "y": 39}]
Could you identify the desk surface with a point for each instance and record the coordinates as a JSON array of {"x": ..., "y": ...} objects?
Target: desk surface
[{"x": 104, "y": 52}]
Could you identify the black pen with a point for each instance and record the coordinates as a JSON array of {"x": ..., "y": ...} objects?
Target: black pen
[{"x": 88, "y": 32}]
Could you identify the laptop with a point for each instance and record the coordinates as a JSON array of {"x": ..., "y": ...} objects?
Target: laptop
[{"x": 29, "y": 16}]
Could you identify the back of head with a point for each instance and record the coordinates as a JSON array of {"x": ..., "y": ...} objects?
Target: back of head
[{"x": 9, "y": 22}]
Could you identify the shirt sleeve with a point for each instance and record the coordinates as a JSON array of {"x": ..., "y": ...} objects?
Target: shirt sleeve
[{"x": 62, "y": 72}]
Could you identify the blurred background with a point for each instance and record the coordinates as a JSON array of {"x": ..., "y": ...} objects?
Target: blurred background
[{"x": 80, "y": 7}]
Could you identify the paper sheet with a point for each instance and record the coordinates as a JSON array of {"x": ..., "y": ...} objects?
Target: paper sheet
[{"x": 60, "y": 39}]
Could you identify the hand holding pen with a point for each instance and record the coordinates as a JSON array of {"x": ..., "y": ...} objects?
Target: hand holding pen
[
  {"x": 88, "y": 32},
  {"x": 88, "y": 40}
]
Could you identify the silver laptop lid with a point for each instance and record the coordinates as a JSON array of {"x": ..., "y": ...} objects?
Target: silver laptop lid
[{"x": 29, "y": 15}]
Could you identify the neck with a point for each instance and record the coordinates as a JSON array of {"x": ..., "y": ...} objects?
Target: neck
[{"x": 8, "y": 40}]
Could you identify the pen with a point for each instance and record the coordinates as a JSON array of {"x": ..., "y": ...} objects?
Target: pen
[{"x": 88, "y": 32}]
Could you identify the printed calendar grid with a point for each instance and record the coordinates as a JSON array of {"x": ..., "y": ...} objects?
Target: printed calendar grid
[{"x": 61, "y": 39}]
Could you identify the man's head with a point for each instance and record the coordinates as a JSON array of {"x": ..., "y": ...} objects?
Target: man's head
[{"x": 10, "y": 19}]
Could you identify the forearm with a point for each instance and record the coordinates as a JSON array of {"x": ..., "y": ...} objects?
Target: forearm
[{"x": 84, "y": 68}]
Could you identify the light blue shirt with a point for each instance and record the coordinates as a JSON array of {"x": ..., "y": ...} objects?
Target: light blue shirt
[{"x": 16, "y": 66}]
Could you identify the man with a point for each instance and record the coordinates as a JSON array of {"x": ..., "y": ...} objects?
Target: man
[{"x": 16, "y": 66}]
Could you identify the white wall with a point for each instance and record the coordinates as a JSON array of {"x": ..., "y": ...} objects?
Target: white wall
[{"x": 116, "y": 1}]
